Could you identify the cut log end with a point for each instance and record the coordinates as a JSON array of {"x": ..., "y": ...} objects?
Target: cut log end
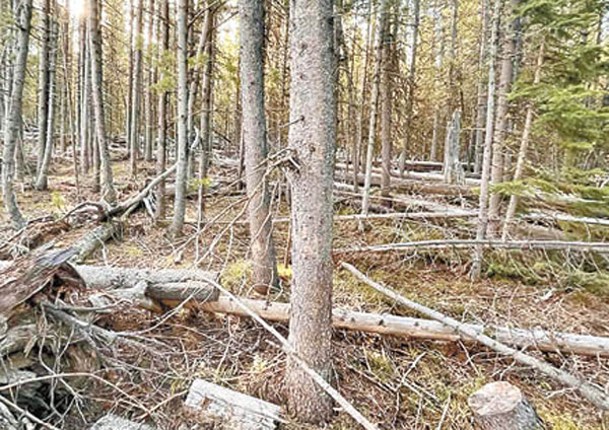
[{"x": 502, "y": 406}]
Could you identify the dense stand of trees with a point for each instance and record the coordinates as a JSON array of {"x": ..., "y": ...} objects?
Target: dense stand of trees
[{"x": 511, "y": 92}]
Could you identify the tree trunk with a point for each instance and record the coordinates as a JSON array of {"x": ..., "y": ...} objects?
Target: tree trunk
[
  {"x": 410, "y": 90},
  {"x": 262, "y": 250},
  {"x": 378, "y": 48},
  {"x": 134, "y": 137},
  {"x": 522, "y": 153},
  {"x": 360, "y": 114},
  {"x": 84, "y": 71},
  {"x": 23, "y": 18},
  {"x": 43, "y": 81},
  {"x": 480, "y": 108},
  {"x": 161, "y": 149},
  {"x": 386, "y": 89},
  {"x": 488, "y": 142},
  {"x": 312, "y": 137},
  {"x": 502, "y": 406},
  {"x": 206, "y": 114},
  {"x": 501, "y": 119},
  {"x": 43, "y": 169},
  {"x": 453, "y": 170},
  {"x": 148, "y": 127},
  {"x": 107, "y": 183},
  {"x": 182, "y": 143}
]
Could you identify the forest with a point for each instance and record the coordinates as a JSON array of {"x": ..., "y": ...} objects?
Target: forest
[{"x": 304, "y": 214}]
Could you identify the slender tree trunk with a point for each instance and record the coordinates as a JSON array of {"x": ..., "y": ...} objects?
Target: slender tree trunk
[
  {"x": 43, "y": 171},
  {"x": 148, "y": 127},
  {"x": 206, "y": 111},
  {"x": 182, "y": 144},
  {"x": 360, "y": 114},
  {"x": 134, "y": 138},
  {"x": 488, "y": 142},
  {"x": 23, "y": 18},
  {"x": 411, "y": 85},
  {"x": 43, "y": 81},
  {"x": 107, "y": 183},
  {"x": 312, "y": 137},
  {"x": 501, "y": 119},
  {"x": 251, "y": 14},
  {"x": 378, "y": 47},
  {"x": 480, "y": 109},
  {"x": 85, "y": 91},
  {"x": 161, "y": 149},
  {"x": 524, "y": 144},
  {"x": 386, "y": 89}
]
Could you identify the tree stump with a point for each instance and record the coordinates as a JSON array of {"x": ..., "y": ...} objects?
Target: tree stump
[{"x": 502, "y": 406}]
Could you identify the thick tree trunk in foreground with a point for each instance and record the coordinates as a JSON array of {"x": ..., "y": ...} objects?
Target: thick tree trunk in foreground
[
  {"x": 23, "y": 18},
  {"x": 312, "y": 137},
  {"x": 502, "y": 406},
  {"x": 254, "y": 137},
  {"x": 182, "y": 143},
  {"x": 108, "y": 193}
]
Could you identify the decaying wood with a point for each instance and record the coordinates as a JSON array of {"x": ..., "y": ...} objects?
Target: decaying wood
[
  {"x": 112, "y": 422},
  {"x": 523, "y": 245},
  {"x": 28, "y": 276},
  {"x": 502, "y": 406},
  {"x": 94, "y": 239},
  {"x": 418, "y": 328},
  {"x": 589, "y": 391},
  {"x": 236, "y": 410}
]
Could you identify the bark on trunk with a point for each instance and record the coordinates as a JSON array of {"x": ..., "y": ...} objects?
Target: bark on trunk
[
  {"x": 182, "y": 144},
  {"x": 378, "y": 52},
  {"x": 501, "y": 119},
  {"x": 262, "y": 250},
  {"x": 488, "y": 143},
  {"x": 107, "y": 183},
  {"x": 411, "y": 85},
  {"x": 134, "y": 137},
  {"x": 312, "y": 137},
  {"x": 161, "y": 149},
  {"x": 23, "y": 17}
]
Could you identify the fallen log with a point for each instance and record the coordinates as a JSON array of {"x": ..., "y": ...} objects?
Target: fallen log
[
  {"x": 420, "y": 176},
  {"x": 554, "y": 217},
  {"x": 589, "y": 391},
  {"x": 522, "y": 245},
  {"x": 413, "y": 186},
  {"x": 235, "y": 410},
  {"x": 393, "y": 325},
  {"x": 93, "y": 240},
  {"x": 502, "y": 406}
]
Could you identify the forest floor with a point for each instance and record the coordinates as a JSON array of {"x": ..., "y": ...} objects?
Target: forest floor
[{"x": 398, "y": 383}]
